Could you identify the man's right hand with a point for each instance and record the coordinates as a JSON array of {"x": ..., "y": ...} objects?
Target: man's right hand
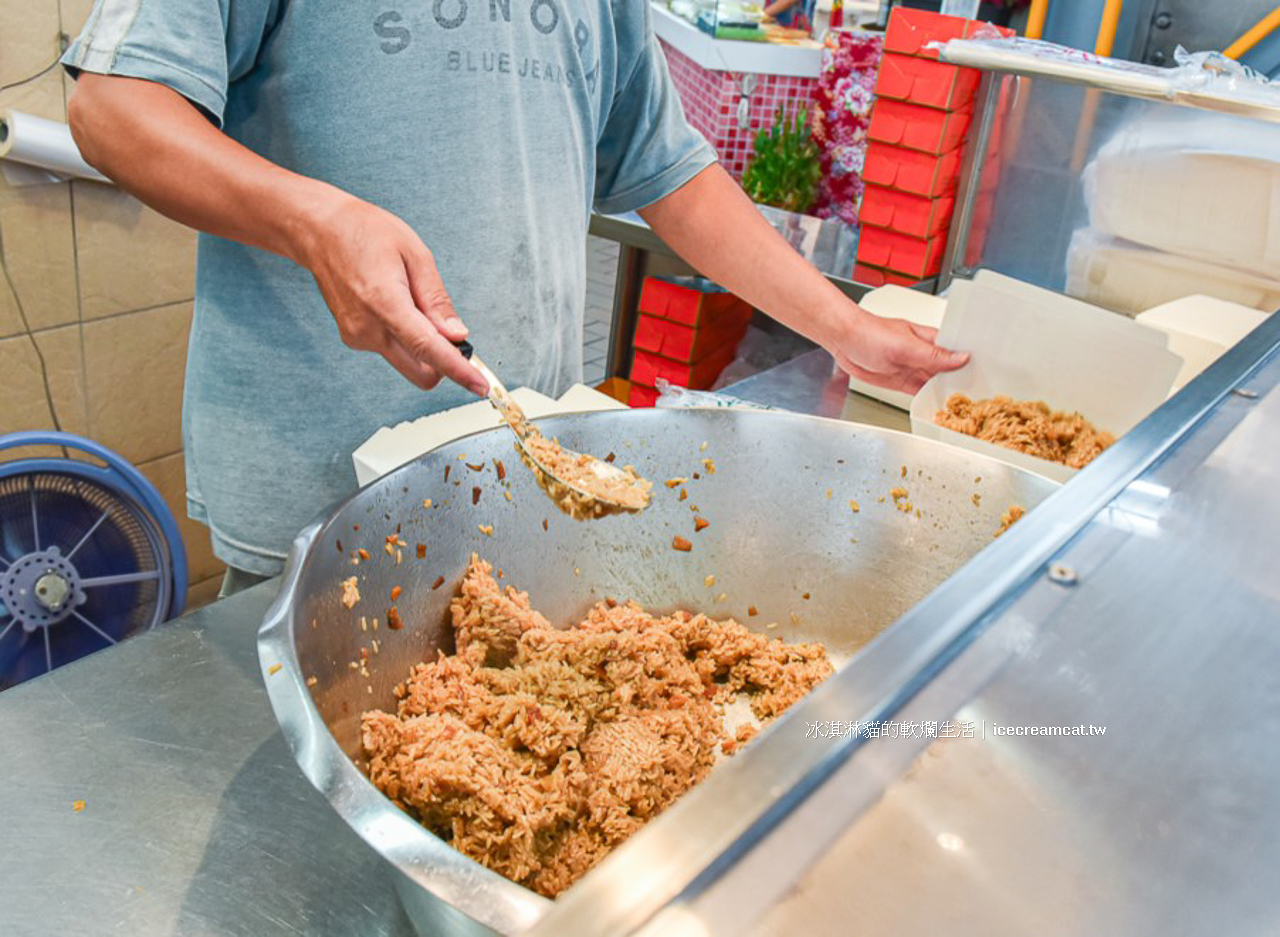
[
  {"x": 382, "y": 286},
  {"x": 377, "y": 276}
]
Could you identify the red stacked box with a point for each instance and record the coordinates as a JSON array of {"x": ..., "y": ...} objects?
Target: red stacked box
[
  {"x": 922, "y": 113},
  {"x": 876, "y": 276},
  {"x": 914, "y": 127},
  {"x": 686, "y": 334}
]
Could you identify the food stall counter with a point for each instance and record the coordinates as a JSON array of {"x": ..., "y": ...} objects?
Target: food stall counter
[
  {"x": 151, "y": 791},
  {"x": 795, "y": 59}
]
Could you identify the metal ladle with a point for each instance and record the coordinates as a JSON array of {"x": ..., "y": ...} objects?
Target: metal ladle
[{"x": 599, "y": 489}]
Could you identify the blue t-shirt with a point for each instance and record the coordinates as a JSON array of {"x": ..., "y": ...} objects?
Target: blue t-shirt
[{"x": 491, "y": 126}]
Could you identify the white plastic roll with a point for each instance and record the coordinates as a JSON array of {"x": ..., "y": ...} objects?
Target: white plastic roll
[{"x": 44, "y": 144}]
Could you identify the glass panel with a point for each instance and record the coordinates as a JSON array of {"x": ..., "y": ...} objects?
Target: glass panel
[{"x": 1128, "y": 203}]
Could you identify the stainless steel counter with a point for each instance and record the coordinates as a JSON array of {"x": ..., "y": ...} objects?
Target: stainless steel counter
[{"x": 196, "y": 819}]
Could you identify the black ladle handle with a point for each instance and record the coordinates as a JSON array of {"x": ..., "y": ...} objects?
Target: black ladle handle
[{"x": 465, "y": 348}]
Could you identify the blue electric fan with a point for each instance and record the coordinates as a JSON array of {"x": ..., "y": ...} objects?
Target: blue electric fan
[{"x": 89, "y": 555}]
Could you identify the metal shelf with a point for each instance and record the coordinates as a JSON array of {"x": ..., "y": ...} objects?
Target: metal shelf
[{"x": 1220, "y": 92}]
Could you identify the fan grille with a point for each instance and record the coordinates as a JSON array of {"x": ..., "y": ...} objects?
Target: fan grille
[{"x": 100, "y": 534}]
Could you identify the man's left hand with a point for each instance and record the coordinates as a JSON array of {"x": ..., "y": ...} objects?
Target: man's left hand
[
  {"x": 891, "y": 353},
  {"x": 710, "y": 222}
]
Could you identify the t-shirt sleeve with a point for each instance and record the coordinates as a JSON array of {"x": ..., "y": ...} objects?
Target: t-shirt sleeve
[
  {"x": 196, "y": 47},
  {"x": 647, "y": 149}
]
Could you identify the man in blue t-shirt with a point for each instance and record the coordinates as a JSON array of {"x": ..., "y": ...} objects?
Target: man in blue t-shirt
[{"x": 398, "y": 169}]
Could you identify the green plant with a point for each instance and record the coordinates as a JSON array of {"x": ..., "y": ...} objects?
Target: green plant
[{"x": 785, "y": 170}]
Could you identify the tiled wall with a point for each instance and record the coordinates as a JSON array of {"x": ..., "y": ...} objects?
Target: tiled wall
[
  {"x": 710, "y": 100},
  {"x": 106, "y": 286}
]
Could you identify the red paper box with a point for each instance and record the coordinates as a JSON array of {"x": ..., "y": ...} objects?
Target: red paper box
[
  {"x": 875, "y": 276},
  {"x": 682, "y": 343},
  {"x": 910, "y": 170},
  {"x": 918, "y": 128},
  {"x": 910, "y": 31},
  {"x": 916, "y": 257},
  {"x": 905, "y": 213},
  {"x": 686, "y": 303},
  {"x": 641, "y": 396},
  {"x": 920, "y": 81},
  {"x": 646, "y": 368}
]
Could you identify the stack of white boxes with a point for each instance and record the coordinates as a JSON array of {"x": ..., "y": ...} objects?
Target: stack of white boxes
[{"x": 1181, "y": 202}]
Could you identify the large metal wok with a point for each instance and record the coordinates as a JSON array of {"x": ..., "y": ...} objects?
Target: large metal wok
[{"x": 783, "y": 538}]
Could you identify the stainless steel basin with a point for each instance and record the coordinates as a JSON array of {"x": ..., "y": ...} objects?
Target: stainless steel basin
[{"x": 783, "y": 538}]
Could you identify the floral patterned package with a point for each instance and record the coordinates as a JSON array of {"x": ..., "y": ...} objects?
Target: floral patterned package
[{"x": 841, "y": 115}]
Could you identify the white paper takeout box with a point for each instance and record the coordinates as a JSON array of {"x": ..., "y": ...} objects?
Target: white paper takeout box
[
  {"x": 1033, "y": 344},
  {"x": 1200, "y": 329}
]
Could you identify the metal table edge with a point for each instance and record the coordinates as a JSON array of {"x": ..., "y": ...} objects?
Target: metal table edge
[{"x": 639, "y": 236}]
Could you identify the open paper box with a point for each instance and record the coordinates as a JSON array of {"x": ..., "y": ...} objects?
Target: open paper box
[{"x": 1034, "y": 344}]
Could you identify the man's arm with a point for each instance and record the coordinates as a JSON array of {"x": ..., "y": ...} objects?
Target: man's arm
[
  {"x": 378, "y": 278},
  {"x": 710, "y": 223}
]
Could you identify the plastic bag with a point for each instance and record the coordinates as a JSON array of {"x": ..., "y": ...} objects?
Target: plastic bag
[
  {"x": 1196, "y": 69},
  {"x": 673, "y": 396}
]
